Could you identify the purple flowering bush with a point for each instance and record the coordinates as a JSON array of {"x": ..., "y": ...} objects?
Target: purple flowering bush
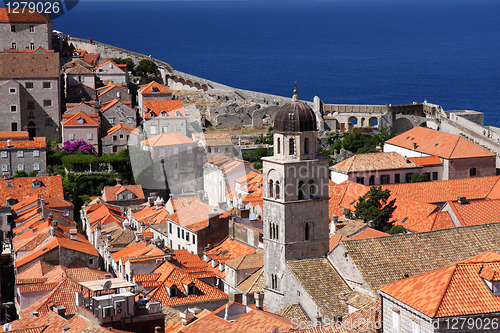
[{"x": 80, "y": 146}]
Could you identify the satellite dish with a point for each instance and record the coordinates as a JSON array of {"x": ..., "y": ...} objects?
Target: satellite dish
[
  {"x": 7, "y": 327},
  {"x": 107, "y": 286},
  {"x": 275, "y": 330}
]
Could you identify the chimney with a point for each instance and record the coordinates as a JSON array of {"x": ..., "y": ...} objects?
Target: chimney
[
  {"x": 6, "y": 175},
  {"x": 414, "y": 145},
  {"x": 213, "y": 218},
  {"x": 118, "y": 181},
  {"x": 346, "y": 212},
  {"x": 107, "y": 276},
  {"x": 318, "y": 319},
  {"x": 259, "y": 300},
  {"x": 73, "y": 233},
  {"x": 142, "y": 228},
  {"x": 126, "y": 225},
  {"x": 371, "y": 224},
  {"x": 186, "y": 317},
  {"x": 60, "y": 310},
  {"x": 462, "y": 200},
  {"x": 147, "y": 239},
  {"x": 244, "y": 213},
  {"x": 8, "y": 143}
]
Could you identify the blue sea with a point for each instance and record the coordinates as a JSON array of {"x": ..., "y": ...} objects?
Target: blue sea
[{"x": 344, "y": 51}]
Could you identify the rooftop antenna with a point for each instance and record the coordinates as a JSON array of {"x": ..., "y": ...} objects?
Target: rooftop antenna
[{"x": 295, "y": 97}]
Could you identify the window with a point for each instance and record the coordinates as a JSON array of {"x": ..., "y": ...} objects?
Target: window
[
  {"x": 472, "y": 172},
  {"x": 385, "y": 179},
  {"x": 121, "y": 136},
  {"x": 183, "y": 233},
  {"x": 178, "y": 232},
  {"x": 32, "y": 28},
  {"x": 176, "y": 150},
  {"x": 408, "y": 177},
  {"x": 435, "y": 176},
  {"x": 91, "y": 261},
  {"x": 194, "y": 239},
  {"x": 5, "y": 168},
  {"x": 415, "y": 327},
  {"x": 20, "y": 167},
  {"x": 47, "y": 85},
  {"x": 4, "y": 154},
  {"x": 115, "y": 149},
  {"x": 189, "y": 150},
  {"x": 13, "y": 127},
  {"x": 14, "y": 45},
  {"x": 79, "y": 78},
  {"x": 115, "y": 138},
  {"x": 36, "y": 167},
  {"x": 48, "y": 121},
  {"x": 31, "y": 104},
  {"x": 111, "y": 121},
  {"x": 71, "y": 136},
  {"x": 278, "y": 146},
  {"x": 372, "y": 180},
  {"x": 12, "y": 90},
  {"x": 277, "y": 189},
  {"x": 162, "y": 152},
  {"x": 360, "y": 180},
  {"x": 20, "y": 153},
  {"x": 176, "y": 165},
  {"x": 170, "y": 227},
  {"x": 9, "y": 184},
  {"x": 164, "y": 129},
  {"x": 29, "y": 85},
  {"x": 187, "y": 236},
  {"x": 312, "y": 189},
  {"x": 80, "y": 121},
  {"x": 32, "y": 46},
  {"x": 130, "y": 196},
  {"x": 152, "y": 130},
  {"x": 13, "y": 29},
  {"x": 274, "y": 281},
  {"x": 291, "y": 146},
  {"x": 13, "y": 108},
  {"x": 129, "y": 120},
  {"x": 306, "y": 146},
  {"x": 395, "y": 320},
  {"x": 300, "y": 189},
  {"x": 397, "y": 179},
  {"x": 271, "y": 184},
  {"x": 307, "y": 231},
  {"x": 90, "y": 136}
]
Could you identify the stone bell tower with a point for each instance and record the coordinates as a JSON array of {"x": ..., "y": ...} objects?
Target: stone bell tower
[{"x": 295, "y": 214}]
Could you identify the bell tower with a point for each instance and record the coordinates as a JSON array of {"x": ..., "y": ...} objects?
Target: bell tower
[{"x": 295, "y": 214}]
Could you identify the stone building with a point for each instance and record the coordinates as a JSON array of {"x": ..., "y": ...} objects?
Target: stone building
[
  {"x": 153, "y": 91},
  {"x": 24, "y": 31},
  {"x": 176, "y": 161},
  {"x": 22, "y": 154},
  {"x": 165, "y": 116},
  {"x": 82, "y": 126},
  {"x": 112, "y": 91},
  {"x": 295, "y": 220},
  {"x": 80, "y": 93},
  {"x": 120, "y": 137},
  {"x": 30, "y": 93},
  {"x": 109, "y": 72},
  {"x": 114, "y": 113},
  {"x": 460, "y": 157}
]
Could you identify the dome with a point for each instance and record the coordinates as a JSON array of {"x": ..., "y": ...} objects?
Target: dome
[{"x": 295, "y": 117}]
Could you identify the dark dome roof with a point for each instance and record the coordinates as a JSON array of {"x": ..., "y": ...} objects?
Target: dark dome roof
[{"x": 295, "y": 117}]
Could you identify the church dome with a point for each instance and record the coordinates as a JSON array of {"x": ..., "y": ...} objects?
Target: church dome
[{"x": 295, "y": 117}]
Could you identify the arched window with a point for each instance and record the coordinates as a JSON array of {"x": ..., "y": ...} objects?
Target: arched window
[
  {"x": 312, "y": 189},
  {"x": 277, "y": 189},
  {"x": 291, "y": 146},
  {"x": 271, "y": 189},
  {"x": 278, "y": 144},
  {"x": 270, "y": 230},
  {"x": 277, "y": 231},
  {"x": 301, "y": 190},
  {"x": 306, "y": 146},
  {"x": 306, "y": 231}
]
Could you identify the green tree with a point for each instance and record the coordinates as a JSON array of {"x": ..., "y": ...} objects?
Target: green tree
[
  {"x": 127, "y": 61},
  {"x": 374, "y": 206},
  {"x": 146, "y": 66},
  {"x": 20, "y": 173},
  {"x": 416, "y": 178},
  {"x": 397, "y": 229}
]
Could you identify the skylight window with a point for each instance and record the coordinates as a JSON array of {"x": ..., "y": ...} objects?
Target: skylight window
[
  {"x": 352, "y": 202},
  {"x": 403, "y": 221}
]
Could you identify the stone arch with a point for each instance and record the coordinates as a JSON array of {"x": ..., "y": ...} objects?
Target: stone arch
[
  {"x": 402, "y": 124},
  {"x": 31, "y": 129},
  {"x": 373, "y": 122},
  {"x": 353, "y": 120},
  {"x": 259, "y": 115},
  {"x": 362, "y": 121}
]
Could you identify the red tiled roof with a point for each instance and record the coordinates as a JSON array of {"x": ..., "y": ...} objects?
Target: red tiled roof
[
  {"x": 476, "y": 212},
  {"x": 118, "y": 127},
  {"x": 148, "y": 88},
  {"x": 194, "y": 216},
  {"x": 111, "y": 192},
  {"x": 37, "y": 270},
  {"x": 168, "y": 106},
  {"x": 168, "y": 139},
  {"x": 435, "y": 221},
  {"x": 426, "y": 160},
  {"x": 87, "y": 120},
  {"x": 375, "y": 161},
  {"x": 444, "y": 145},
  {"x": 38, "y": 142},
  {"x": 6, "y": 16},
  {"x": 454, "y": 290},
  {"x": 369, "y": 233},
  {"x": 109, "y": 104},
  {"x": 151, "y": 215},
  {"x": 335, "y": 239},
  {"x": 110, "y": 61}
]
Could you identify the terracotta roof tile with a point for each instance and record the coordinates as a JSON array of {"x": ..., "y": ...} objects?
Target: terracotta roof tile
[
  {"x": 80, "y": 115},
  {"x": 335, "y": 239},
  {"x": 426, "y": 160},
  {"x": 131, "y": 130},
  {"x": 33, "y": 65},
  {"x": 454, "y": 290},
  {"x": 294, "y": 312},
  {"x": 368, "y": 233},
  {"x": 375, "y": 161},
  {"x": 170, "y": 107},
  {"x": 37, "y": 142},
  {"x": 477, "y": 212},
  {"x": 323, "y": 284},
  {"x": 444, "y": 145},
  {"x": 194, "y": 216},
  {"x": 168, "y": 139},
  {"x": 6, "y": 16},
  {"x": 148, "y": 88},
  {"x": 439, "y": 248},
  {"x": 111, "y": 192},
  {"x": 112, "y": 62},
  {"x": 254, "y": 283}
]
